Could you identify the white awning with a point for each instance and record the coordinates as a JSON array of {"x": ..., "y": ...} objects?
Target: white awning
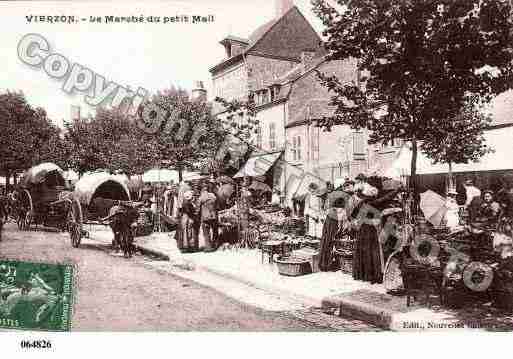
[
  {"x": 258, "y": 165},
  {"x": 500, "y": 140}
]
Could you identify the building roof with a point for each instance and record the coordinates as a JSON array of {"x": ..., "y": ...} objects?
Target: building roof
[
  {"x": 301, "y": 70},
  {"x": 262, "y": 30},
  {"x": 270, "y": 40}
]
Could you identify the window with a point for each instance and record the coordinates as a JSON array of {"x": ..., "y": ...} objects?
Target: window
[
  {"x": 358, "y": 143},
  {"x": 296, "y": 148},
  {"x": 274, "y": 90},
  {"x": 314, "y": 143},
  {"x": 272, "y": 135},
  {"x": 259, "y": 137}
]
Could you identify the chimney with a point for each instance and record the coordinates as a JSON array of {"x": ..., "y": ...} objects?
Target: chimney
[
  {"x": 198, "y": 92},
  {"x": 282, "y": 6}
]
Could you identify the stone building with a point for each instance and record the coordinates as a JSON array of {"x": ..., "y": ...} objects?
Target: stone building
[{"x": 277, "y": 65}]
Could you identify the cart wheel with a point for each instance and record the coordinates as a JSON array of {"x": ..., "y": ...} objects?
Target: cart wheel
[
  {"x": 392, "y": 277},
  {"x": 74, "y": 234}
]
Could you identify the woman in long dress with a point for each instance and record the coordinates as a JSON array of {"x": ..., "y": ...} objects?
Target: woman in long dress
[
  {"x": 368, "y": 259},
  {"x": 336, "y": 222},
  {"x": 187, "y": 233}
]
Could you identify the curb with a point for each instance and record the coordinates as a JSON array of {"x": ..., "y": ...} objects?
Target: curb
[
  {"x": 152, "y": 252},
  {"x": 145, "y": 251},
  {"x": 366, "y": 312}
]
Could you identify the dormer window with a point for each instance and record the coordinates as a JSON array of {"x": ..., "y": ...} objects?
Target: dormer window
[
  {"x": 228, "y": 48},
  {"x": 274, "y": 91},
  {"x": 234, "y": 46}
]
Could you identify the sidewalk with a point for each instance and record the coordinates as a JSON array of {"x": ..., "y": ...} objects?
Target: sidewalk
[{"x": 333, "y": 291}]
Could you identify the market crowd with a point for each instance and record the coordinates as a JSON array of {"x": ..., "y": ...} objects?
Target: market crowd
[{"x": 360, "y": 209}]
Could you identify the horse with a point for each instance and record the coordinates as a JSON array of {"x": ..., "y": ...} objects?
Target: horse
[{"x": 121, "y": 217}]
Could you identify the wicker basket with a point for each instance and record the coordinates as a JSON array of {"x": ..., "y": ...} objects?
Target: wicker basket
[
  {"x": 345, "y": 260},
  {"x": 293, "y": 267}
]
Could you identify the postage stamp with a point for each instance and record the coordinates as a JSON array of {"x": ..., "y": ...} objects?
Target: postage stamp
[{"x": 35, "y": 296}]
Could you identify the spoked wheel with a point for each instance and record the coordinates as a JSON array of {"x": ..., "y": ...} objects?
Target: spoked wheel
[
  {"x": 393, "y": 277},
  {"x": 75, "y": 223},
  {"x": 24, "y": 211},
  {"x": 74, "y": 234}
]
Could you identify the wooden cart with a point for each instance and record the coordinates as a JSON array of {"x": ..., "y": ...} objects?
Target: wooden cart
[
  {"x": 94, "y": 195},
  {"x": 42, "y": 198}
]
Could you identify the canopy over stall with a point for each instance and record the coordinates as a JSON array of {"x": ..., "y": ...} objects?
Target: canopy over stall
[
  {"x": 46, "y": 172},
  {"x": 258, "y": 165},
  {"x": 497, "y": 139},
  {"x": 160, "y": 175}
]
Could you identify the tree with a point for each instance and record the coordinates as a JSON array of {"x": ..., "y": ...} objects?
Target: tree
[
  {"x": 239, "y": 125},
  {"x": 188, "y": 136},
  {"x": 27, "y": 137},
  {"x": 419, "y": 61},
  {"x": 460, "y": 140},
  {"x": 108, "y": 140}
]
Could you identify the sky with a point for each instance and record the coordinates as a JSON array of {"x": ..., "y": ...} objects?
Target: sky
[{"x": 151, "y": 56}]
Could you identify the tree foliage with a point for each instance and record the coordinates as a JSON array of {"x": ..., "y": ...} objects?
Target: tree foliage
[
  {"x": 109, "y": 140},
  {"x": 240, "y": 125},
  {"x": 420, "y": 62},
  {"x": 188, "y": 136},
  {"x": 28, "y": 136},
  {"x": 465, "y": 142}
]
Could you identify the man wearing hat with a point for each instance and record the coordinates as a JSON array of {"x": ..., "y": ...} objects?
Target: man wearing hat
[
  {"x": 489, "y": 210},
  {"x": 208, "y": 213},
  {"x": 169, "y": 200}
]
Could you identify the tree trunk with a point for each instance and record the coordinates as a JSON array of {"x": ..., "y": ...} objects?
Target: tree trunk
[
  {"x": 413, "y": 166},
  {"x": 413, "y": 176},
  {"x": 451, "y": 184},
  {"x": 7, "y": 182},
  {"x": 180, "y": 173}
]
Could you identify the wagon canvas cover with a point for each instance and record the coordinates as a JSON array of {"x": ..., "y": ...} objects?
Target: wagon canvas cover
[
  {"x": 100, "y": 184},
  {"x": 38, "y": 174}
]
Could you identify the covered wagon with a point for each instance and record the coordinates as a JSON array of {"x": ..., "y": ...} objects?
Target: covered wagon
[
  {"x": 40, "y": 197},
  {"x": 94, "y": 195}
]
